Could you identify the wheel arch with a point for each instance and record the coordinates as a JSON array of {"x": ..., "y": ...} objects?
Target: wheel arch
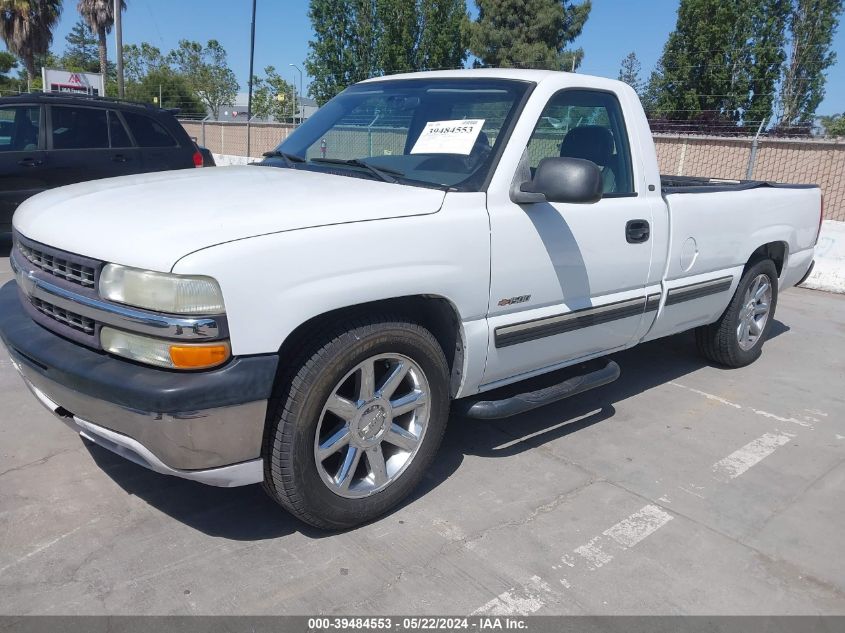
[
  {"x": 434, "y": 312},
  {"x": 777, "y": 251}
]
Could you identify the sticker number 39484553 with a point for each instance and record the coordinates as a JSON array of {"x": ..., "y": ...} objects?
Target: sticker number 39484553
[{"x": 448, "y": 137}]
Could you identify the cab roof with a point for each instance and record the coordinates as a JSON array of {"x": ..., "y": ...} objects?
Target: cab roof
[{"x": 514, "y": 74}]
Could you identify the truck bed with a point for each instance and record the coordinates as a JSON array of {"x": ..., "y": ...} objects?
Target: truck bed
[{"x": 695, "y": 184}]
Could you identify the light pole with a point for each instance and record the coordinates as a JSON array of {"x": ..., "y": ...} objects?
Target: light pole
[
  {"x": 118, "y": 41},
  {"x": 249, "y": 99},
  {"x": 300, "y": 92}
]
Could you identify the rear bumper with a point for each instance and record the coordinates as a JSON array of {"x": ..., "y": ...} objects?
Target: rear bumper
[
  {"x": 798, "y": 267},
  {"x": 206, "y": 426},
  {"x": 807, "y": 274}
]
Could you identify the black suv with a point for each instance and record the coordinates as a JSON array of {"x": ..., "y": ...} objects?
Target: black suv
[{"x": 50, "y": 140}]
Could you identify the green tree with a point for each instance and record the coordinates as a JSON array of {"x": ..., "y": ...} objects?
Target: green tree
[
  {"x": 443, "y": 34},
  {"x": 81, "y": 50},
  {"x": 528, "y": 33},
  {"x": 26, "y": 26},
  {"x": 273, "y": 97},
  {"x": 767, "y": 33},
  {"x": 397, "y": 35},
  {"x": 358, "y": 39},
  {"x": 721, "y": 62},
  {"x": 812, "y": 25},
  {"x": 834, "y": 125},
  {"x": 207, "y": 73},
  {"x": 99, "y": 15},
  {"x": 343, "y": 51},
  {"x": 173, "y": 88},
  {"x": 141, "y": 59},
  {"x": 629, "y": 71},
  {"x": 7, "y": 64}
]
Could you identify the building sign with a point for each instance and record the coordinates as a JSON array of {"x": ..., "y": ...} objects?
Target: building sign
[{"x": 67, "y": 81}]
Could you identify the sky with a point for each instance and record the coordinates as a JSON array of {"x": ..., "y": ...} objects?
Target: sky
[{"x": 614, "y": 28}]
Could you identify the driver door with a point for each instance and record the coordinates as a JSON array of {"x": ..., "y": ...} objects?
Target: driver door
[{"x": 567, "y": 281}]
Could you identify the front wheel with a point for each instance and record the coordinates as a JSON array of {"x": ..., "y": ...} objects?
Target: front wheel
[
  {"x": 358, "y": 424},
  {"x": 736, "y": 339}
]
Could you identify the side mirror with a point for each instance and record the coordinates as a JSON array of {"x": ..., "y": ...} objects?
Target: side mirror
[{"x": 563, "y": 179}]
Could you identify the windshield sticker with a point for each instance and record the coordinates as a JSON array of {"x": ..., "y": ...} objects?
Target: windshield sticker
[{"x": 448, "y": 137}]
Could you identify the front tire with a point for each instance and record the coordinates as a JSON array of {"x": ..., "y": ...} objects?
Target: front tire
[
  {"x": 736, "y": 339},
  {"x": 354, "y": 429}
]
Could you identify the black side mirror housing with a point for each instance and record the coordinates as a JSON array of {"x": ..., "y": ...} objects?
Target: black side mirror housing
[{"x": 571, "y": 180}]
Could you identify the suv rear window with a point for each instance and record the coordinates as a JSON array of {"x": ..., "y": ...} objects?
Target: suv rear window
[
  {"x": 147, "y": 132},
  {"x": 79, "y": 128},
  {"x": 19, "y": 128}
]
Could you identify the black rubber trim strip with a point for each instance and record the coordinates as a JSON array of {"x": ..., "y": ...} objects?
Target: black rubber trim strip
[
  {"x": 595, "y": 374},
  {"x": 691, "y": 184},
  {"x": 698, "y": 290},
  {"x": 575, "y": 320},
  {"x": 808, "y": 273},
  {"x": 99, "y": 375},
  {"x": 652, "y": 302}
]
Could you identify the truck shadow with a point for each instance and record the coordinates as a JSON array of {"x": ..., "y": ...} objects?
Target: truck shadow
[
  {"x": 643, "y": 367},
  {"x": 248, "y": 514}
]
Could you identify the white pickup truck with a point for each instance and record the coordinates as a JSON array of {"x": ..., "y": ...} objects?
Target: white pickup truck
[{"x": 307, "y": 322}]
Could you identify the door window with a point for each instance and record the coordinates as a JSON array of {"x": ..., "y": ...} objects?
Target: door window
[
  {"x": 586, "y": 124},
  {"x": 19, "y": 126},
  {"x": 117, "y": 133},
  {"x": 79, "y": 128},
  {"x": 147, "y": 132}
]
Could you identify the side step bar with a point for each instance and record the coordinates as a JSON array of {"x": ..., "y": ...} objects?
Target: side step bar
[{"x": 566, "y": 382}]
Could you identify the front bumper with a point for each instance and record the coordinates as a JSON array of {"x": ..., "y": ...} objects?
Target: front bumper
[{"x": 206, "y": 426}]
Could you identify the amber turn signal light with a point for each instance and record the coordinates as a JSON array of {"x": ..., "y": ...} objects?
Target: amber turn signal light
[{"x": 199, "y": 356}]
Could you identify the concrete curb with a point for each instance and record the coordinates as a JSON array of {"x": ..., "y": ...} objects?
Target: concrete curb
[
  {"x": 227, "y": 160},
  {"x": 829, "y": 271}
]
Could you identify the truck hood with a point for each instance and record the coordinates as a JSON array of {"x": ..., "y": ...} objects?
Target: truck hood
[{"x": 152, "y": 220}]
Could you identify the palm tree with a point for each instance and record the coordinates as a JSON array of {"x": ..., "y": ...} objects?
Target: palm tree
[
  {"x": 99, "y": 15},
  {"x": 26, "y": 27}
]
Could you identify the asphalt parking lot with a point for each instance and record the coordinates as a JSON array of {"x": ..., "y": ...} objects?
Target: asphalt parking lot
[{"x": 681, "y": 488}]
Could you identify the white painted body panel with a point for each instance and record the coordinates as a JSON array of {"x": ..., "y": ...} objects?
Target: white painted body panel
[
  {"x": 726, "y": 228},
  {"x": 151, "y": 220},
  {"x": 567, "y": 256},
  {"x": 289, "y": 245},
  {"x": 273, "y": 283}
]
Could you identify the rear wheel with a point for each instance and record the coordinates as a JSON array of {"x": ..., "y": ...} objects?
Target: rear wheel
[
  {"x": 736, "y": 339},
  {"x": 358, "y": 424}
]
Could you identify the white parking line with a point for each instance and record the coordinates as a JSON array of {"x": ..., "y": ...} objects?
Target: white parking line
[
  {"x": 638, "y": 526},
  {"x": 593, "y": 553},
  {"x": 806, "y": 422},
  {"x": 751, "y": 454},
  {"x": 522, "y": 600},
  {"x": 709, "y": 396},
  {"x": 627, "y": 533}
]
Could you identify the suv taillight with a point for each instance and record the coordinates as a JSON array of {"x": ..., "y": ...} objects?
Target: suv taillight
[{"x": 198, "y": 159}]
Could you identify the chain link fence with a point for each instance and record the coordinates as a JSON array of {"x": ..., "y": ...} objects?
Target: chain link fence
[
  {"x": 817, "y": 161},
  {"x": 230, "y": 138},
  {"x": 800, "y": 160}
]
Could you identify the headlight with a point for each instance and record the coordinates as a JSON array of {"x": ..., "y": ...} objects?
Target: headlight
[
  {"x": 170, "y": 354},
  {"x": 163, "y": 292}
]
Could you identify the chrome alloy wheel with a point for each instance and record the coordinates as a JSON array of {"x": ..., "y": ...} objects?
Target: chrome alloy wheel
[
  {"x": 754, "y": 312},
  {"x": 372, "y": 425}
]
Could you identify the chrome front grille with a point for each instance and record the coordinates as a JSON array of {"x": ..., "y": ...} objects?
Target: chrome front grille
[
  {"x": 66, "y": 317},
  {"x": 59, "y": 265}
]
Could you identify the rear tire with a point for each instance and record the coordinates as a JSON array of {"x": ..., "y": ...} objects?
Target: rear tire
[
  {"x": 736, "y": 339},
  {"x": 348, "y": 438}
]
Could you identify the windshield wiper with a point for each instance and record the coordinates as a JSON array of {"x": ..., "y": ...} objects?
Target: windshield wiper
[
  {"x": 385, "y": 173},
  {"x": 290, "y": 159}
]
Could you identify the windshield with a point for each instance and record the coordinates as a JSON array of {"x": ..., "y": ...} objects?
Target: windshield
[{"x": 426, "y": 132}]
